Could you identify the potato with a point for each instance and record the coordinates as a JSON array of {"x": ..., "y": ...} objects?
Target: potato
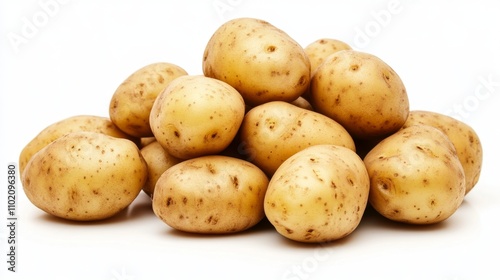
[
  {"x": 196, "y": 116},
  {"x": 85, "y": 176},
  {"x": 463, "y": 137},
  {"x": 211, "y": 194},
  {"x": 361, "y": 92},
  {"x": 320, "y": 49},
  {"x": 415, "y": 176},
  {"x": 259, "y": 60},
  {"x": 302, "y": 103},
  {"x": 132, "y": 101},
  {"x": 158, "y": 161},
  {"x": 274, "y": 131},
  {"x": 318, "y": 195},
  {"x": 68, "y": 125}
]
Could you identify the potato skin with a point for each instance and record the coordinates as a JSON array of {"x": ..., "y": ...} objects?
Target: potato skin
[
  {"x": 71, "y": 124},
  {"x": 85, "y": 176},
  {"x": 274, "y": 131},
  {"x": 463, "y": 137},
  {"x": 211, "y": 194},
  {"x": 132, "y": 101},
  {"x": 415, "y": 176},
  {"x": 196, "y": 116},
  {"x": 318, "y": 195},
  {"x": 320, "y": 49},
  {"x": 259, "y": 60},
  {"x": 361, "y": 92}
]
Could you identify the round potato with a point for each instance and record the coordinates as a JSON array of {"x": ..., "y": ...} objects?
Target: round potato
[
  {"x": 211, "y": 194},
  {"x": 272, "y": 132},
  {"x": 132, "y": 101},
  {"x": 361, "y": 92},
  {"x": 463, "y": 137},
  {"x": 85, "y": 176},
  {"x": 415, "y": 176},
  {"x": 196, "y": 116},
  {"x": 320, "y": 49},
  {"x": 318, "y": 195},
  {"x": 72, "y": 124},
  {"x": 259, "y": 60}
]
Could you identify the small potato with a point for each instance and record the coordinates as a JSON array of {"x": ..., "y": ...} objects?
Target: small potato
[
  {"x": 72, "y": 124},
  {"x": 463, "y": 137},
  {"x": 318, "y": 195},
  {"x": 318, "y": 50},
  {"x": 272, "y": 132},
  {"x": 415, "y": 176},
  {"x": 158, "y": 161},
  {"x": 302, "y": 103},
  {"x": 259, "y": 60},
  {"x": 361, "y": 92},
  {"x": 196, "y": 116},
  {"x": 85, "y": 176},
  {"x": 131, "y": 103},
  {"x": 211, "y": 194}
]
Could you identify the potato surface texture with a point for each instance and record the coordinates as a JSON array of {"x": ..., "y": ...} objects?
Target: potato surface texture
[
  {"x": 85, "y": 176},
  {"x": 274, "y": 131},
  {"x": 196, "y": 116},
  {"x": 318, "y": 195},
  {"x": 463, "y": 137},
  {"x": 132, "y": 101},
  {"x": 320, "y": 49},
  {"x": 361, "y": 92},
  {"x": 259, "y": 60},
  {"x": 211, "y": 194},
  {"x": 415, "y": 176}
]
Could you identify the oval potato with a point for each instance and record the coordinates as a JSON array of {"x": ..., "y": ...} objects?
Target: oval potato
[{"x": 320, "y": 49}]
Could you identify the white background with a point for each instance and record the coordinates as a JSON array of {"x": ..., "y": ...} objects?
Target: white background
[{"x": 59, "y": 59}]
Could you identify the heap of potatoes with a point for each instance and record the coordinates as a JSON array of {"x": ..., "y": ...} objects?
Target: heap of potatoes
[{"x": 306, "y": 137}]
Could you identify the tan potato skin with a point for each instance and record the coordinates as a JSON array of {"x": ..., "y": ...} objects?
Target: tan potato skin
[
  {"x": 415, "y": 176},
  {"x": 463, "y": 137},
  {"x": 261, "y": 61},
  {"x": 318, "y": 195},
  {"x": 85, "y": 176},
  {"x": 274, "y": 131},
  {"x": 211, "y": 194},
  {"x": 320, "y": 49},
  {"x": 361, "y": 92}
]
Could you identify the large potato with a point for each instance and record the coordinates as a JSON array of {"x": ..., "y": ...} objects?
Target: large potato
[
  {"x": 320, "y": 49},
  {"x": 361, "y": 92},
  {"x": 196, "y": 115},
  {"x": 318, "y": 195},
  {"x": 211, "y": 194},
  {"x": 272, "y": 132},
  {"x": 132, "y": 101},
  {"x": 85, "y": 176},
  {"x": 415, "y": 176},
  {"x": 261, "y": 61},
  {"x": 463, "y": 137},
  {"x": 72, "y": 124}
]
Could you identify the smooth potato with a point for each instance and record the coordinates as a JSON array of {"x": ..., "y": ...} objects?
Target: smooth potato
[
  {"x": 318, "y": 195},
  {"x": 272, "y": 132},
  {"x": 196, "y": 116},
  {"x": 415, "y": 176},
  {"x": 132, "y": 101},
  {"x": 320, "y": 49},
  {"x": 211, "y": 194},
  {"x": 259, "y": 60},
  {"x": 85, "y": 176}
]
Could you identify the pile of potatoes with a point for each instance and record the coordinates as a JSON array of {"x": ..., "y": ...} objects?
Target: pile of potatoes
[{"x": 306, "y": 137}]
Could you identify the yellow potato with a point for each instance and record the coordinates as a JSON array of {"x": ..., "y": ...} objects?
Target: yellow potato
[
  {"x": 196, "y": 115},
  {"x": 361, "y": 92},
  {"x": 272, "y": 132},
  {"x": 415, "y": 176},
  {"x": 211, "y": 194},
  {"x": 158, "y": 161},
  {"x": 68, "y": 125},
  {"x": 85, "y": 176},
  {"x": 318, "y": 195},
  {"x": 259, "y": 60},
  {"x": 463, "y": 137},
  {"x": 320, "y": 49},
  {"x": 131, "y": 103}
]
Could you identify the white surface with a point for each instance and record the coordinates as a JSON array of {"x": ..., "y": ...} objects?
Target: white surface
[{"x": 80, "y": 51}]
